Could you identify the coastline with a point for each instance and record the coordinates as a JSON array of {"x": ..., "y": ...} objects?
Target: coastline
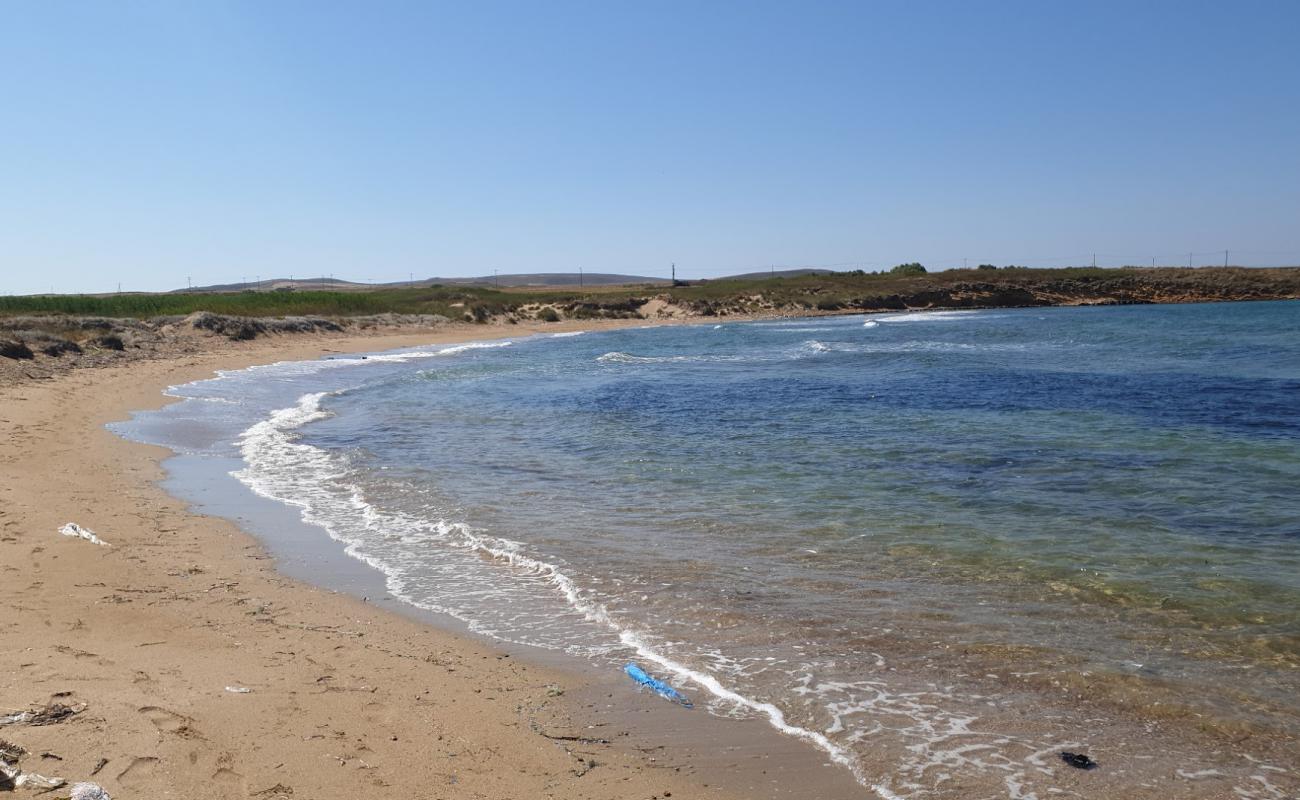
[
  {"x": 141, "y": 645},
  {"x": 345, "y": 698}
]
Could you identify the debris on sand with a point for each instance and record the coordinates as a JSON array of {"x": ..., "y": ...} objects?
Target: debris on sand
[
  {"x": 73, "y": 529},
  {"x": 46, "y": 715},
  {"x": 11, "y": 777},
  {"x": 89, "y": 791},
  {"x": 657, "y": 686},
  {"x": 11, "y": 752},
  {"x": 1078, "y": 760}
]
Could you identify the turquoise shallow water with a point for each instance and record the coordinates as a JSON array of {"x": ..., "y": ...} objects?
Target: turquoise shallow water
[{"x": 862, "y": 528}]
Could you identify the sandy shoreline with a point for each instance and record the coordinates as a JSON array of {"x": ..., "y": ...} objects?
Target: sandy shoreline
[{"x": 346, "y": 699}]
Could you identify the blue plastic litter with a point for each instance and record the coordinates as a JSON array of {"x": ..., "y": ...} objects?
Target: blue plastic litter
[{"x": 660, "y": 688}]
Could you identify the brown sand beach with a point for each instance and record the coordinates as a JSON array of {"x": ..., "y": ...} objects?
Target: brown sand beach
[{"x": 154, "y": 638}]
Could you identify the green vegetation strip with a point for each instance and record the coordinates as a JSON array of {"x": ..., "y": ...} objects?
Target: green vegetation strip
[{"x": 906, "y": 286}]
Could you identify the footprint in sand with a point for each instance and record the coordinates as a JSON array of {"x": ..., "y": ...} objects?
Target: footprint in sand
[
  {"x": 170, "y": 722},
  {"x": 227, "y": 777},
  {"x": 139, "y": 773}
]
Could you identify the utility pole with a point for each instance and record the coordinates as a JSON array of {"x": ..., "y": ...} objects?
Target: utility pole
[
  {"x": 1189, "y": 260},
  {"x": 579, "y": 277},
  {"x": 496, "y": 284},
  {"x": 675, "y": 272},
  {"x": 1225, "y": 258},
  {"x": 1094, "y": 260},
  {"x": 410, "y": 278},
  {"x": 965, "y": 264},
  {"x": 189, "y": 281},
  {"x": 259, "y": 283}
]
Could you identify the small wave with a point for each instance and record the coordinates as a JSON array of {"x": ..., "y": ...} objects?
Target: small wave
[
  {"x": 931, "y": 316},
  {"x": 290, "y": 369},
  {"x": 401, "y": 358},
  {"x": 816, "y": 346},
  {"x": 567, "y": 334},
  {"x": 178, "y": 392},
  {"x": 871, "y": 323},
  {"x": 627, "y": 358}
]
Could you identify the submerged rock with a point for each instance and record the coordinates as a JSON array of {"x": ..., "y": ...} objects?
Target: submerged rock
[{"x": 1078, "y": 760}]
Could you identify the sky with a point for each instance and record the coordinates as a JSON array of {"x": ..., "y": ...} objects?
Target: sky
[{"x": 148, "y": 145}]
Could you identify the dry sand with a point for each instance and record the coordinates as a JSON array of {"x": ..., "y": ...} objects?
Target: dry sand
[{"x": 345, "y": 700}]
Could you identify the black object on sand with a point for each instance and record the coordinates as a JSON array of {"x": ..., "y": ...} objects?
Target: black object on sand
[{"x": 1078, "y": 760}]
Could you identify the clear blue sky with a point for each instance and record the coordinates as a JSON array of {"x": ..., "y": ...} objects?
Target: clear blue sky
[{"x": 150, "y": 142}]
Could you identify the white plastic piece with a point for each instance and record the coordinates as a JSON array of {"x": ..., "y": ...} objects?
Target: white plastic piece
[
  {"x": 238, "y": 689},
  {"x": 73, "y": 529},
  {"x": 20, "y": 779},
  {"x": 89, "y": 791}
]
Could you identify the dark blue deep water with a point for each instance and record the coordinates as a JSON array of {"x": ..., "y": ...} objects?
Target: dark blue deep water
[{"x": 863, "y": 528}]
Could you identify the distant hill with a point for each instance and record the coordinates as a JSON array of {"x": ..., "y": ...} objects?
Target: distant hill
[
  {"x": 332, "y": 284},
  {"x": 780, "y": 273},
  {"x": 510, "y": 281},
  {"x": 550, "y": 279},
  {"x": 507, "y": 281}
]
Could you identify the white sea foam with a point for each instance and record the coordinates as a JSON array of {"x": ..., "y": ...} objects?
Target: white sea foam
[
  {"x": 932, "y": 316},
  {"x": 1198, "y": 774},
  {"x": 200, "y": 390},
  {"x": 628, "y": 358},
  {"x": 412, "y": 355},
  {"x": 818, "y": 346},
  {"x": 281, "y": 467},
  {"x": 567, "y": 334}
]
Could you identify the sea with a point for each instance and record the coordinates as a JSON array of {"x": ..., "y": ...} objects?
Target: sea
[{"x": 940, "y": 547}]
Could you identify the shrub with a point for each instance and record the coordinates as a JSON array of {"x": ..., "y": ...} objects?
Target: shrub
[
  {"x": 908, "y": 269},
  {"x": 10, "y": 349},
  {"x": 548, "y": 315},
  {"x": 58, "y": 347}
]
